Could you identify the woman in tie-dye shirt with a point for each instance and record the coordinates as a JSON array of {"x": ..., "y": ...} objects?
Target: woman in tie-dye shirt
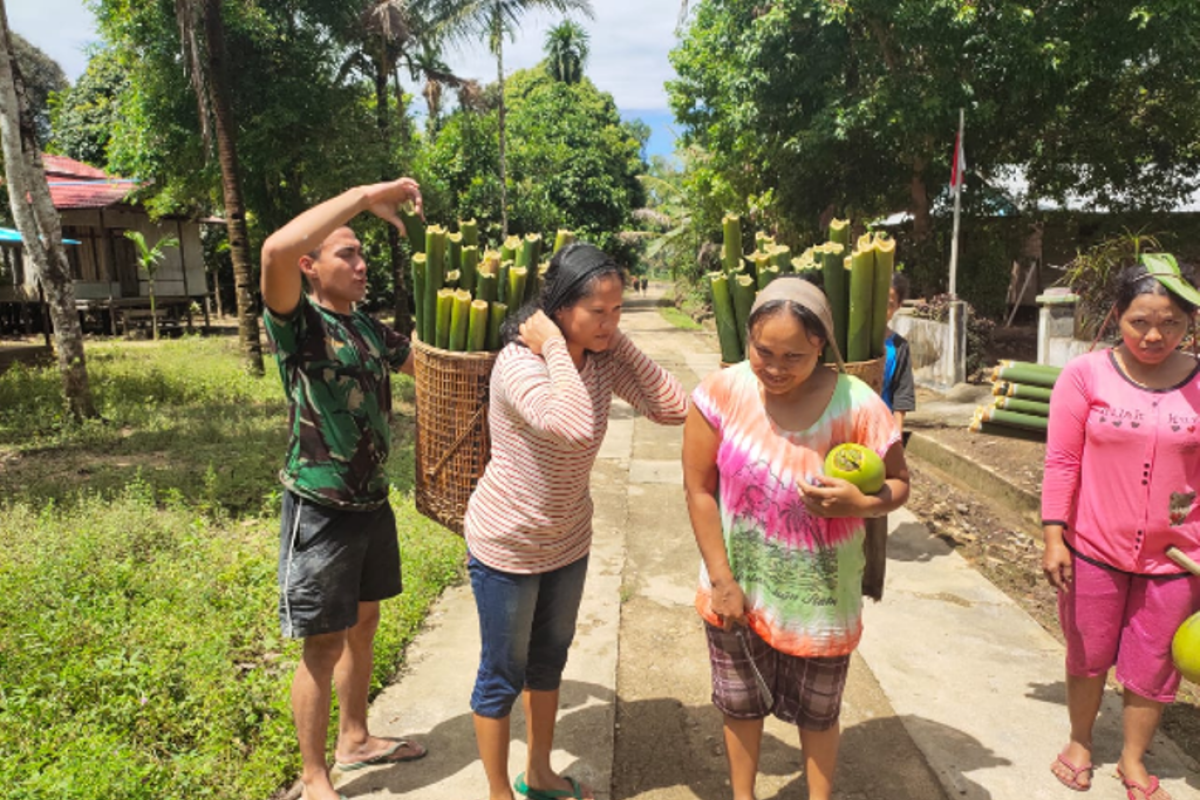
[{"x": 782, "y": 545}]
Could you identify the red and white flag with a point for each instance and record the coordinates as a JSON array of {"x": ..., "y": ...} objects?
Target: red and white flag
[{"x": 958, "y": 170}]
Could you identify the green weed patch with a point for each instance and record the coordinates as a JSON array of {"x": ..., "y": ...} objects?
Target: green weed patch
[
  {"x": 140, "y": 654},
  {"x": 679, "y": 319}
]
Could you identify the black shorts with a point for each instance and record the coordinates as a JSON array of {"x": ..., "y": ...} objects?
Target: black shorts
[{"x": 330, "y": 560}]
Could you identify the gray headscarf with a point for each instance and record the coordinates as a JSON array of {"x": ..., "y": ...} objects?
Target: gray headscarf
[{"x": 806, "y": 295}]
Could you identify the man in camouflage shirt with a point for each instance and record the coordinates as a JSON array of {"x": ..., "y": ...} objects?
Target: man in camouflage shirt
[{"x": 338, "y": 551}]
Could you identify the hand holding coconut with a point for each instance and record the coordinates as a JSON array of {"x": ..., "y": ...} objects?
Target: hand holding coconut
[{"x": 853, "y": 474}]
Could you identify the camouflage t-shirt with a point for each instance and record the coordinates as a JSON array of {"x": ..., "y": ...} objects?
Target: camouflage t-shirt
[{"x": 336, "y": 373}]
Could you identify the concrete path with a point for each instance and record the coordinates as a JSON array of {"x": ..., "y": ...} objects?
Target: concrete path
[{"x": 954, "y": 693}]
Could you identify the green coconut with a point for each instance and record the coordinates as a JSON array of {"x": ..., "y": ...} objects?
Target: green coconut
[{"x": 860, "y": 465}]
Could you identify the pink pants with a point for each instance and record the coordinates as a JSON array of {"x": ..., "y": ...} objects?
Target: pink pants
[{"x": 1111, "y": 617}]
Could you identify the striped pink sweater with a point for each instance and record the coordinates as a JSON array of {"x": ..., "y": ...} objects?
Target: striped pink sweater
[{"x": 532, "y": 510}]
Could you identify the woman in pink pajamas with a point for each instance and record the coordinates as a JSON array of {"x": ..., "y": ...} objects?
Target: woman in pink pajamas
[{"x": 1122, "y": 474}]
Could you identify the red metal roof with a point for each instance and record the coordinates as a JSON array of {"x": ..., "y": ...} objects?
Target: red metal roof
[
  {"x": 61, "y": 166},
  {"x": 75, "y": 185}
]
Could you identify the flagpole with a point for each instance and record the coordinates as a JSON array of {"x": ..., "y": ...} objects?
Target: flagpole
[
  {"x": 958, "y": 339},
  {"x": 958, "y": 182}
]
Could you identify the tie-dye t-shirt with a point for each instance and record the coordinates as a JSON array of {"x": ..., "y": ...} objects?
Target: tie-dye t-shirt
[{"x": 802, "y": 575}]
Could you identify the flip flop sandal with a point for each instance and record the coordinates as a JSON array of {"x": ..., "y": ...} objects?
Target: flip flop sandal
[
  {"x": 1135, "y": 791},
  {"x": 386, "y": 757},
  {"x": 576, "y": 790},
  {"x": 1071, "y": 781}
]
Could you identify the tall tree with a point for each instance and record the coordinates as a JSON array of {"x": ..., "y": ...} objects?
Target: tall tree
[
  {"x": 853, "y": 106},
  {"x": 84, "y": 116},
  {"x": 567, "y": 51},
  {"x": 203, "y": 37},
  {"x": 42, "y": 77},
  {"x": 312, "y": 131},
  {"x": 579, "y": 173},
  {"x": 41, "y": 229},
  {"x": 386, "y": 35},
  {"x": 493, "y": 20}
]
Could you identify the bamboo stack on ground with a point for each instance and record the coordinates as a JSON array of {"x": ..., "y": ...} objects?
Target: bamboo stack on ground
[
  {"x": 1022, "y": 401},
  {"x": 1011, "y": 419}
]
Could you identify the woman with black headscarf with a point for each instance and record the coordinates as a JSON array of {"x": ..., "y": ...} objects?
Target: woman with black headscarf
[{"x": 528, "y": 525}]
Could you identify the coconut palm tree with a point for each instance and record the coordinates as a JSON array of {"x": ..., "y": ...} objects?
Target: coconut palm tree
[
  {"x": 202, "y": 35},
  {"x": 567, "y": 51},
  {"x": 493, "y": 20},
  {"x": 389, "y": 34},
  {"x": 150, "y": 258}
]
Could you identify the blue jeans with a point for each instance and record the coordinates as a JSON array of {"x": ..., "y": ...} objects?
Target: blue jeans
[{"x": 526, "y": 624}]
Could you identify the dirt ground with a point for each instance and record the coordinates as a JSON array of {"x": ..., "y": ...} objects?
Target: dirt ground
[
  {"x": 1005, "y": 547},
  {"x": 1019, "y": 460}
]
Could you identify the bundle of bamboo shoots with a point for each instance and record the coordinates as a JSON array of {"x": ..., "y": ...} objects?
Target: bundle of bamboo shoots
[
  {"x": 856, "y": 280},
  {"x": 462, "y": 295},
  {"x": 1022, "y": 401}
]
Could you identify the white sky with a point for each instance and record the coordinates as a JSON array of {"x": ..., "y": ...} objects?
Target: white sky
[{"x": 629, "y": 41}]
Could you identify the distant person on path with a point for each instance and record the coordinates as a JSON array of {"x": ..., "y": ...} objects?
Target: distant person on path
[
  {"x": 1119, "y": 488},
  {"x": 528, "y": 524},
  {"x": 898, "y": 391},
  {"x": 339, "y": 555},
  {"x": 781, "y": 544},
  {"x": 645, "y": 283}
]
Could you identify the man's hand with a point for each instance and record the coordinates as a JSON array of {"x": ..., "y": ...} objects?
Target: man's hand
[{"x": 383, "y": 199}]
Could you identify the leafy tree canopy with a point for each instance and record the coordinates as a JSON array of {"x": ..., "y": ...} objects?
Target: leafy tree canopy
[
  {"x": 567, "y": 51},
  {"x": 815, "y": 106},
  {"x": 573, "y": 163},
  {"x": 303, "y": 134},
  {"x": 43, "y": 77},
  {"x": 84, "y": 116}
]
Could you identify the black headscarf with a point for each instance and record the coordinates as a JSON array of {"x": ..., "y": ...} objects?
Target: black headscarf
[{"x": 571, "y": 270}]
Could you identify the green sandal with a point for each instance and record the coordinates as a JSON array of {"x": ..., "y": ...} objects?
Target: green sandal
[{"x": 575, "y": 792}]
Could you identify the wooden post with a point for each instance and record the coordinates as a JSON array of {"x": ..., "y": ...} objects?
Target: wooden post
[{"x": 183, "y": 266}]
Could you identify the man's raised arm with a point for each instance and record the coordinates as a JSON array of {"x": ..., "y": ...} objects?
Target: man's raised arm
[{"x": 283, "y": 249}]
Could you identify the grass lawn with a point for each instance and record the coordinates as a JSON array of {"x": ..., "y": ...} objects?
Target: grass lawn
[
  {"x": 679, "y": 319},
  {"x": 140, "y": 654}
]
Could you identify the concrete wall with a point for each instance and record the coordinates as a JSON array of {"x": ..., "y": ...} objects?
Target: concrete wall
[
  {"x": 937, "y": 362},
  {"x": 1056, "y": 332}
]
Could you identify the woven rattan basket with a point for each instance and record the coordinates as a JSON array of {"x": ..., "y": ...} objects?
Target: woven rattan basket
[
  {"x": 869, "y": 372},
  {"x": 453, "y": 444}
]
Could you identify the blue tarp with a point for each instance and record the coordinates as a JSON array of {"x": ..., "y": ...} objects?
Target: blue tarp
[{"x": 10, "y": 235}]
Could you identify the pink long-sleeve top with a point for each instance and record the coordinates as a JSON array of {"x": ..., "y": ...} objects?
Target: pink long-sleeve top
[
  {"x": 532, "y": 510},
  {"x": 1123, "y": 466}
]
